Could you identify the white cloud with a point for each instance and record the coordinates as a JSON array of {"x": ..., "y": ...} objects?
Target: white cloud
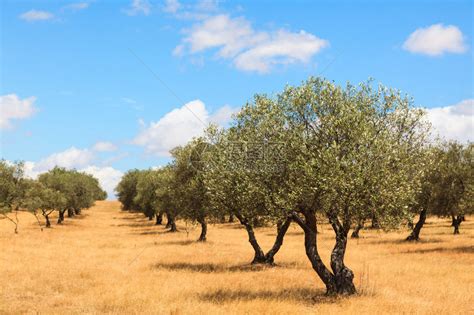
[
  {"x": 36, "y": 15},
  {"x": 436, "y": 40},
  {"x": 175, "y": 128},
  {"x": 70, "y": 158},
  {"x": 179, "y": 126},
  {"x": 103, "y": 146},
  {"x": 223, "y": 115},
  {"x": 282, "y": 48},
  {"x": 77, "y": 6},
  {"x": 108, "y": 177},
  {"x": 250, "y": 50},
  {"x": 171, "y": 6},
  {"x": 139, "y": 7},
  {"x": 12, "y": 107},
  {"x": 454, "y": 122}
]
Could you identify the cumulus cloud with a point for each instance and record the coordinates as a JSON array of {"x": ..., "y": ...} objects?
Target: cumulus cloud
[
  {"x": 139, "y": 7},
  {"x": 454, "y": 122},
  {"x": 435, "y": 40},
  {"x": 70, "y": 158},
  {"x": 108, "y": 177},
  {"x": 248, "y": 49},
  {"x": 223, "y": 115},
  {"x": 12, "y": 107},
  {"x": 36, "y": 15},
  {"x": 103, "y": 146},
  {"x": 179, "y": 126}
]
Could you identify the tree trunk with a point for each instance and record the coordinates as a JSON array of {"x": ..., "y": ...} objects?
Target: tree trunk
[
  {"x": 171, "y": 224},
  {"x": 159, "y": 218},
  {"x": 231, "y": 218},
  {"x": 48, "y": 223},
  {"x": 168, "y": 221},
  {"x": 150, "y": 217},
  {"x": 70, "y": 213},
  {"x": 61, "y": 216},
  {"x": 77, "y": 211},
  {"x": 415, "y": 234},
  {"x": 344, "y": 276},
  {"x": 259, "y": 256},
  {"x": 358, "y": 227},
  {"x": 310, "y": 244},
  {"x": 202, "y": 237},
  {"x": 281, "y": 231},
  {"x": 457, "y": 222}
]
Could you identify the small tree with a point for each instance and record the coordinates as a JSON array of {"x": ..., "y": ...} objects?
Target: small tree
[
  {"x": 127, "y": 190},
  {"x": 453, "y": 192},
  {"x": 12, "y": 189},
  {"x": 46, "y": 200}
]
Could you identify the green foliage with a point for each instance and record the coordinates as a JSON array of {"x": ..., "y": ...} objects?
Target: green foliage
[
  {"x": 12, "y": 186},
  {"x": 127, "y": 190},
  {"x": 449, "y": 187}
]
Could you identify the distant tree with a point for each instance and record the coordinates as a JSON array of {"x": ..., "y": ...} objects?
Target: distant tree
[
  {"x": 167, "y": 198},
  {"x": 79, "y": 189},
  {"x": 248, "y": 173},
  {"x": 40, "y": 198},
  {"x": 189, "y": 165},
  {"x": 127, "y": 190},
  {"x": 12, "y": 190},
  {"x": 146, "y": 188}
]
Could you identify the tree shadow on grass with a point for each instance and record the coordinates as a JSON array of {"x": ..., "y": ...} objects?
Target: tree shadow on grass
[
  {"x": 302, "y": 295},
  {"x": 402, "y": 241},
  {"x": 460, "y": 249},
  {"x": 211, "y": 268}
]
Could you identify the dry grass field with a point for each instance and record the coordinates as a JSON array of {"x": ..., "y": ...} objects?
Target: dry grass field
[{"x": 110, "y": 261}]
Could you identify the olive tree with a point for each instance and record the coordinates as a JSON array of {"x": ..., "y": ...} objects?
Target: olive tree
[
  {"x": 12, "y": 189},
  {"x": 191, "y": 193},
  {"x": 248, "y": 175},
  {"x": 357, "y": 151},
  {"x": 127, "y": 190},
  {"x": 38, "y": 197}
]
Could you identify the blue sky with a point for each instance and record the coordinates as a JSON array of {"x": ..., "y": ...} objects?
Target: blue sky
[{"x": 101, "y": 85}]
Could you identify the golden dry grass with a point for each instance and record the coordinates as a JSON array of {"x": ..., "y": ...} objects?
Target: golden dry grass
[{"x": 109, "y": 261}]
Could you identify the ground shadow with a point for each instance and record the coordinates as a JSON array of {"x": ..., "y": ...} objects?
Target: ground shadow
[
  {"x": 401, "y": 241},
  {"x": 460, "y": 249},
  {"x": 181, "y": 243},
  {"x": 302, "y": 295},
  {"x": 211, "y": 268}
]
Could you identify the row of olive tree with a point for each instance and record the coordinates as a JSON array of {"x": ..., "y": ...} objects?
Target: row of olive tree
[
  {"x": 58, "y": 190},
  {"x": 316, "y": 152}
]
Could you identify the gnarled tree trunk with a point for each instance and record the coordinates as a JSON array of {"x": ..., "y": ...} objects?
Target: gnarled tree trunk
[
  {"x": 231, "y": 218},
  {"x": 77, "y": 211},
  {"x": 310, "y": 244},
  {"x": 281, "y": 231},
  {"x": 259, "y": 257},
  {"x": 70, "y": 213},
  {"x": 344, "y": 276},
  {"x": 415, "y": 234}
]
